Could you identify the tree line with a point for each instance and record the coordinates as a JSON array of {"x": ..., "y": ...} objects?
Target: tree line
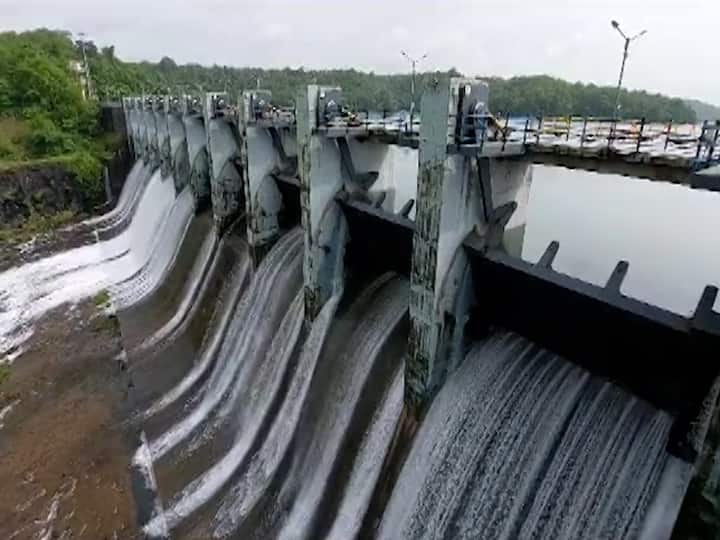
[
  {"x": 40, "y": 88},
  {"x": 525, "y": 95}
]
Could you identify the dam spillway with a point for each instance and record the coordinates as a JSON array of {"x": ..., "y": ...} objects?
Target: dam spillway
[{"x": 324, "y": 336}]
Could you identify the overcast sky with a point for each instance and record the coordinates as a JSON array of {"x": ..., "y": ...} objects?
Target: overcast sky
[{"x": 571, "y": 39}]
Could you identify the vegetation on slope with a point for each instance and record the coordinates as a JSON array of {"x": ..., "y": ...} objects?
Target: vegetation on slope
[
  {"x": 42, "y": 97},
  {"x": 50, "y": 136}
]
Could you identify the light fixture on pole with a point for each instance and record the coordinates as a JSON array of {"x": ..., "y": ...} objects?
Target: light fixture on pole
[
  {"x": 88, "y": 90},
  {"x": 413, "y": 62},
  {"x": 628, "y": 40}
]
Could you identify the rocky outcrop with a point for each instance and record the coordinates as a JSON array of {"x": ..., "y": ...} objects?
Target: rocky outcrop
[{"x": 39, "y": 189}]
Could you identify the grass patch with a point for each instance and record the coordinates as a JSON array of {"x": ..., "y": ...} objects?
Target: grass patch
[
  {"x": 12, "y": 134},
  {"x": 106, "y": 324},
  {"x": 36, "y": 224},
  {"x": 5, "y": 372},
  {"x": 102, "y": 298}
]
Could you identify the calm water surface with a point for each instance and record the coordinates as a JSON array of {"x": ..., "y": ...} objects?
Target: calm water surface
[{"x": 668, "y": 233}]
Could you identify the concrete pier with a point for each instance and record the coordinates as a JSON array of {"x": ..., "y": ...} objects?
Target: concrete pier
[
  {"x": 461, "y": 190},
  {"x": 161, "y": 107},
  {"x": 223, "y": 143},
  {"x": 343, "y": 162},
  {"x": 179, "y": 159},
  {"x": 323, "y": 223},
  {"x": 268, "y": 156},
  {"x": 196, "y": 138},
  {"x": 151, "y": 152}
]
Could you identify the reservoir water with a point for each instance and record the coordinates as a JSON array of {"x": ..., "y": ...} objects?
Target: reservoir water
[{"x": 665, "y": 231}]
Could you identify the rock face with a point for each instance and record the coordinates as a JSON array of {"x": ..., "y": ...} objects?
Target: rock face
[
  {"x": 49, "y": 188},
  {"x": 41, "y": 189}
]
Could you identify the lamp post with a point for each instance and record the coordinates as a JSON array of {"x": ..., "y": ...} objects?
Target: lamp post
[
  {"x": 86, "y": 68},
  {"x": 628, "y": 40},
  {"x": 413, "y": 62}
]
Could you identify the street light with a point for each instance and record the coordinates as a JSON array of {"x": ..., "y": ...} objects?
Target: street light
[
  {"x": 413, "y": 62},
  {"x": 86, "y": 67},
  {"x": 628, "y": 40}
]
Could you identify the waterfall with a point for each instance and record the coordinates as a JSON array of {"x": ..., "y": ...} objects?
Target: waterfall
[
  {"x": 520, "y": 443},
  {"x": 200, "y": 272},
  {"x": 131, "y": 193},
  {"x": 249, "y": 333},
  {"x": 335, "y": 403},
  {"x": 299, "y": 400},
  {"x": 210, "y": 348},
  {"x": 31, "y": 290},
  {"x": 160, "y": 256}
]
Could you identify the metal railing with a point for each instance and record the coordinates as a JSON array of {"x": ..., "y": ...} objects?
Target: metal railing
[{"x": 695, "y": 143}]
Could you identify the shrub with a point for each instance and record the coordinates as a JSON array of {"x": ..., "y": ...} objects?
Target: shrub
[
  {"x": 87, "y": 169},
  {"x": 45, "y": 138},
  {"x": 7, "y": 149},
  {"x": 4, "y": 372}
]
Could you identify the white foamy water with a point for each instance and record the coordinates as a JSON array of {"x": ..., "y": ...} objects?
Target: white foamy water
[
  {"x": 368, "y": 465},
  {"x": 314, "y": 469},
  {"x": 260, "y": 469},
  {"x": 31, "y": 290},
  {"x": 6, "y": 410},
  {"x": 304, "y": 425},
  {"x": 209, "y": 351},
  {"x": 200, "y": 490},
  {"x": 521, "y": 444},
  {"x": 248, "y": 334},
  {"x": 159, "y": 259}
]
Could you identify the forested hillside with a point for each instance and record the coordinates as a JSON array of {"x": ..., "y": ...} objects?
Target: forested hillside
[{"x": 704, "y": 111}]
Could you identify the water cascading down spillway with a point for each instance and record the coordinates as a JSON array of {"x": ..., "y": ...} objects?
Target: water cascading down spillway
[
  {"x": 136, "y": 243},
  {"x": 379, "y": 364}
]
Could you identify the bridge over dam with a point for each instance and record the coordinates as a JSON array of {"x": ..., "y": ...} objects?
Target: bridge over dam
[{"x": 329, "y": 330}]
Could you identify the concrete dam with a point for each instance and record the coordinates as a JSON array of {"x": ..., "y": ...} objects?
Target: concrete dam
[{"x": 330, "y": 332}]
